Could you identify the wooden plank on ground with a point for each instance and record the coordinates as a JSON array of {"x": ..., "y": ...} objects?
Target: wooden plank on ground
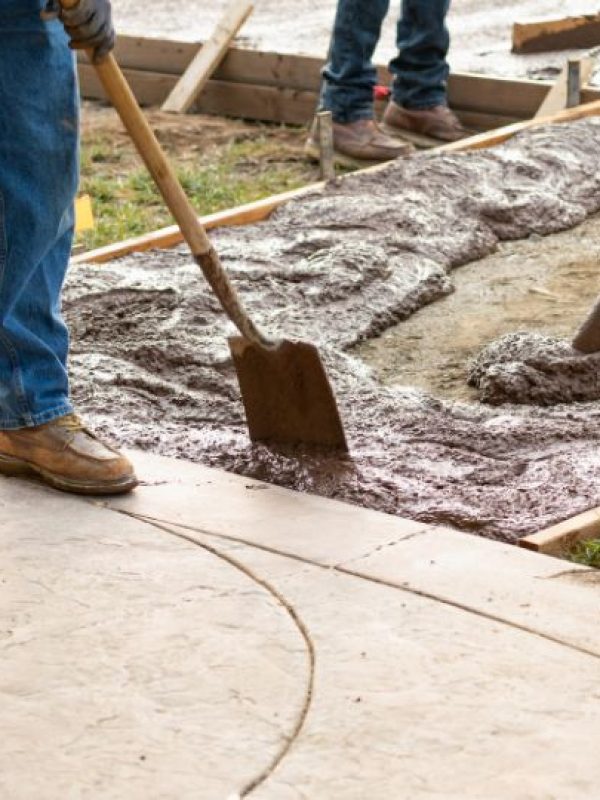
[
  {"x": 470, "y": 91},
  {"x": 267, "y": 103},
  {"x": 261, "y": 209},
  {"x": 208, "y": 57},
  {"x": 491, "y": 138},
  {"x": 239, "y": 65},
  {"x": 559, "y": 539},
  {"x": 153, "y": 55},
  {"x": 505, "y": 96},
  {"x": 291, "y": 106},
  {"x": 477, "y": 121},
  {"x": 171, "y": 235},
  {"x": 537, "y": 36},
  {"x": 270, "y": 104}
]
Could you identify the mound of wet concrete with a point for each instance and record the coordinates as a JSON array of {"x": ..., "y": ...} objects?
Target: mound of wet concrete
[
  {"x": 151, "y": 367},
  {"x": 529, "y": 368}
]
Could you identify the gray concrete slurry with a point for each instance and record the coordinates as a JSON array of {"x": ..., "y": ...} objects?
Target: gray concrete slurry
[
  {"x": 151, "y": 367},
  {"x": 218, "y": 652}
]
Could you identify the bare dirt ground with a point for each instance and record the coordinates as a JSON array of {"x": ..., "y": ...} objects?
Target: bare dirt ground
[
  {"x": 480, "y": 28},
  {"x": 542, "y": 284},
  {"x": 192, "y": 138},
  {"x": 222, "y": 162}
]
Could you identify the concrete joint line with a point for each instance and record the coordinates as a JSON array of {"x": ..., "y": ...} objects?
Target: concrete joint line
[
  {"x": 342, "y": 564},
  {"x": 178, "y": 526},
  {"x": 471, "y": 610},
  {"x": 297, "y": 621},
  {"x": 565, "y": 572},
  {"x": 399, "y": 587}
]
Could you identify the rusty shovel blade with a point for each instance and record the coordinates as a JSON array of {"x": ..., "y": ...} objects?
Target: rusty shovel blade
[{"x": 287, "y": 395}]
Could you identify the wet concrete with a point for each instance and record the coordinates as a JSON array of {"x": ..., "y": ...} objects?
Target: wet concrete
[
  {"x": 151, "y": 367},
  {"x": 533, "y": 369}
]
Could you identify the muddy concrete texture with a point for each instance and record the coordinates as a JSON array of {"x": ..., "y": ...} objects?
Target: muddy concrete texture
[
  {"x": 529, "y": 368},
  {"x": 150, "y": 364},
  {"x": 542, "y": 286},
  {"x": 480, "y": 29}
]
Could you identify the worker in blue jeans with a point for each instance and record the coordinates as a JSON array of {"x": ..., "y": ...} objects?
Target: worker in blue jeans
[
  {"x": 418, "y": 102},
  {"x": 39, "y": 140}
]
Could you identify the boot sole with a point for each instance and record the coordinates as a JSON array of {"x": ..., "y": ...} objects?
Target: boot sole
[
  {"x": 311, "y": 151},
  {"x": 16, "y": 468},
  {"x": 418, "y": 139}
]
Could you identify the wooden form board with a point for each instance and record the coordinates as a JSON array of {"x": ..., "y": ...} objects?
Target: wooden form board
[
  {"x": 537, "y": 36},
  {"x": 558, "y": 539},
  {"x": 228, "y": 99},
  {"x": 284, "y": 88},
  {"x": 199, "y": 70}
]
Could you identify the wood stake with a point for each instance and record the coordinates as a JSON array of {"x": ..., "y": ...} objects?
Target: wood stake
[
  {"x": 573, "y": 82},
  {"x": 325, "y": 137},
  {"x": 566, "y": 92},
  {"x": 208, "y": 58}
]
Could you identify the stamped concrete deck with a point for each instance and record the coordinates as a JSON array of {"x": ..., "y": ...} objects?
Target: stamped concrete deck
[{"x": 211, "y": 637}]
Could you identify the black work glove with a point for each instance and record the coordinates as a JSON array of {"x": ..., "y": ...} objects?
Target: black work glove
[{"x": 88, "y": 24}]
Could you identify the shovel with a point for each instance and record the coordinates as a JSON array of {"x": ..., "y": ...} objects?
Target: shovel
[
  {"x": 287, "y": 396},
  {"x": 587, "y": 337}
]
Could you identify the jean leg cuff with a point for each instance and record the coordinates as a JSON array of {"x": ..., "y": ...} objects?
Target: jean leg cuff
[
  {"x": 33, "y": 420},
  {"x": 346, "y": 115},
  {"x": 440, "y": 99}
]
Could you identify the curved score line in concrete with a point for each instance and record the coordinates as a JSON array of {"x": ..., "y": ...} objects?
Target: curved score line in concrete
[
  {"x": 265, "y": 773},
  {"x": 403, "y": 586},
  {"x": 130, "y": 666}
]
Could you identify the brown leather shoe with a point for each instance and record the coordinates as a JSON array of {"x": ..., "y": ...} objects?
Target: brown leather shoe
[
  {"x": 359, "y": 143},
  {"x": 64, "y": 454},
  {"x": 438, "y": 123}
]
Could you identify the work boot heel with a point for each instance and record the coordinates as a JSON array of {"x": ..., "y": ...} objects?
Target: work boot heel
[
  {"x": 14, "y": 467},
  {"x": 312, "y": 153}
]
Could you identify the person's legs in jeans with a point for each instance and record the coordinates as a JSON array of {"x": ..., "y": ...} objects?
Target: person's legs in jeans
[
  {"x": 420, "y": 69},
  {"x": 39, "y": 434},
  {"x": 419, "y": 92},
  {"x": 348, "y": 82},
  {"x": 38, "y": 181},
  {"x": 349, "y": 75}
]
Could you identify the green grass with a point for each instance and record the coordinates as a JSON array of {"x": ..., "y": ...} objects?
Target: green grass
[
  {"x": 587, "y": 553},
  {"x": 126, "y": 203}
]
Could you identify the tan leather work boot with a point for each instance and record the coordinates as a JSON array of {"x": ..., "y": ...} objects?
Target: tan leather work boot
[
  {"x": 64, "y": 454},
  {"x": 359, "y": 144},
  {"x": 438, "y": 123}
]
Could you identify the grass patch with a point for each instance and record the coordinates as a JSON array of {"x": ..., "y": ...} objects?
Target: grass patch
[
  {"x": 587, "y": 553},
  {"x": 126, "y": 203}
]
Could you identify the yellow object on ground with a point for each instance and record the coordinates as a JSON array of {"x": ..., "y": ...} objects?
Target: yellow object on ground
[{"x": 84, "y": 216}]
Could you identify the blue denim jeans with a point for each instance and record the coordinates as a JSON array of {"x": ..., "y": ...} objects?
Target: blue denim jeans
[
  {"x": 38, "y": 180},
  {"x": 420, "y": 69}
]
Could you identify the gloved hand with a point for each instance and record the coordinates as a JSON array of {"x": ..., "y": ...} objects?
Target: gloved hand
[{"x": 88, "y": 24}]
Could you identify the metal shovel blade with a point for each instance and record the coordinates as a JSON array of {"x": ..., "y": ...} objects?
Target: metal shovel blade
[{"x": 287, "y": 395}]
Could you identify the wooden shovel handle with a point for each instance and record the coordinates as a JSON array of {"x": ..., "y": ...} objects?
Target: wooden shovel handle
[{"x": 119, "y": 93}]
